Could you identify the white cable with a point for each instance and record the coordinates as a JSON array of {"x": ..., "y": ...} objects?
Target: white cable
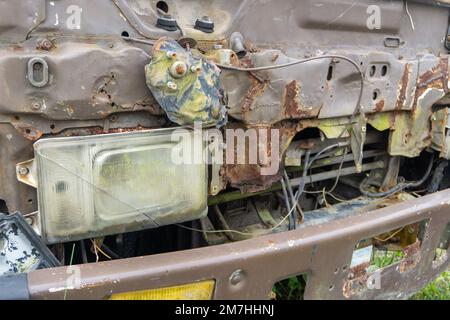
[{"x": 409, "y": 15}]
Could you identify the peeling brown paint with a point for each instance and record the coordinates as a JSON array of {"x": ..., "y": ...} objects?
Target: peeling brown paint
[
  {"x": 434, "y": 78},
  {"x": 292, "y": 103},
  {"x": 256, "y": 89},
  {"x": 291, "y": 99}
]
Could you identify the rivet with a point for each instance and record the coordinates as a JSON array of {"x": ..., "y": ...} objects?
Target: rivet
[
  {"x": 36, "y": 106},
  {"x": 237, "y": 277}
]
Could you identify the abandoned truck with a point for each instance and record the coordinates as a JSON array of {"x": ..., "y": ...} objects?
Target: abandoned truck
[{"x": 204, "y": 149}]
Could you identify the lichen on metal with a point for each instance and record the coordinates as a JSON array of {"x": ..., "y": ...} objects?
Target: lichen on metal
[{"x": 187, "y": 87}]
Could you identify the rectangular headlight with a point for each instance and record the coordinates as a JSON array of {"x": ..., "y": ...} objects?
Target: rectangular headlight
[{"x": 107, "y": 184}]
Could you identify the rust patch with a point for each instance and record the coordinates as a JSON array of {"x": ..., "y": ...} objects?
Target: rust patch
[
  {"x": 403, "y": 86},
  {"x": 248, "y": 177},
  {"x": 434, "y": 78},
  {"x": 291, "y": 99},
  {"x": 379, "y": 106},
  {"x": 292, "y": 106},
  {"x": 411, "y": 257},
  {"x": 29, "y": 132},
  {"x": 359, "y": 270},
  {"x": 99, "y": 130},
  {"x": 357, "y": 280},
  {"x": 256, "y": 89}
]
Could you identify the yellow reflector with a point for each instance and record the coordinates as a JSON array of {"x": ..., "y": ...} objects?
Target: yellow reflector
[{"x": 192, "y": 291}]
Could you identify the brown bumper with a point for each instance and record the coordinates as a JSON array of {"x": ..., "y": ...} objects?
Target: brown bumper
[{"x": 322, "y": 251}]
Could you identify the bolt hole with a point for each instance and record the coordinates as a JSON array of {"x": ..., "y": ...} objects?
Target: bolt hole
[
  {"x": 125, "y": 34},
  {"x": 331, "y": 288},
  {"x": 336, "y": 270},
  {"x": 30, "y": 200},
  {"x": 28, "y": 131},
  {"x": 373, "y": 69},
  {"x": 383, "y": 71},
  {"x": 52, "y": 127},
  {"x": 163, "y": 6},
  {"x": 344, "y": 268},
  {"x": 375, "y": 95},
  {"x": 17, "y": 118},
  {"x": 330, "y": 73}
]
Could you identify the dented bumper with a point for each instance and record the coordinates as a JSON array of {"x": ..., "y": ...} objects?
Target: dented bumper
[{"x": 248, "y": 269}]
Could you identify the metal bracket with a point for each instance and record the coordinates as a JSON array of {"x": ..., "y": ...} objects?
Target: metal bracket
[
  {"x": 26, "y": 173},
  {"x": 358, "y": 138}
]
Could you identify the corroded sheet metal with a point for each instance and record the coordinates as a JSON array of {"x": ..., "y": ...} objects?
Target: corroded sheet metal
[{"x": 411, "y": 131}]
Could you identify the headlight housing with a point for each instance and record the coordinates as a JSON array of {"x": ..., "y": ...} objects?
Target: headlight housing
[{"x": 107, "y": 184}]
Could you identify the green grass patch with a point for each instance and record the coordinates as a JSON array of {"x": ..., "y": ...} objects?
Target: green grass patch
[{"x": 439, "y": 289}]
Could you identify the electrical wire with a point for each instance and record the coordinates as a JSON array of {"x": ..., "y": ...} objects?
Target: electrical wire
[
  {"x": 308, "y": 163},
  {"x": 95, "y": 250},
  {"x": 291, "y": 194},
  {"x": 358, "y": 107},
  {"x": 98, "y": 249},
  {"x": 110, "y": 252},
  {"x": 341, "y": 165},
  {"x": 287, "y": 204},
  {"x": 409, "y": 15},
  {"x": 302, "y": 183},
  {"x": 390, "y": 236}
]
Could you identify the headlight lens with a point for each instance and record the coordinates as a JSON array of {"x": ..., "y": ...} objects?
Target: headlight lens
[{"x": 99, "y": 185}]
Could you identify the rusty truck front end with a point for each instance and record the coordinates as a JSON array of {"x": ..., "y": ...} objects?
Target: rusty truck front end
[{"x": 213, "y": 149}]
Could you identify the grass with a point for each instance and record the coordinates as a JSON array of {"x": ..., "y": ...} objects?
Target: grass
[
  {"x": 290, "y": 289},
  {"x": 439, "y": 289}
]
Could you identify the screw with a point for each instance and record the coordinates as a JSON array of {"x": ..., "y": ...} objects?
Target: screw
[
  {"x": 171, "y": 54},
  {"x": 45, "y": 44},
  {"x": 35, "y": 106},
  {"x": 37, "y": 66},
  {"x": 237, "y": 277},
  {"x": 23, "y": 171},
  {"x": 195, "y": 69},
  {"x": 172, "y": 85}
]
